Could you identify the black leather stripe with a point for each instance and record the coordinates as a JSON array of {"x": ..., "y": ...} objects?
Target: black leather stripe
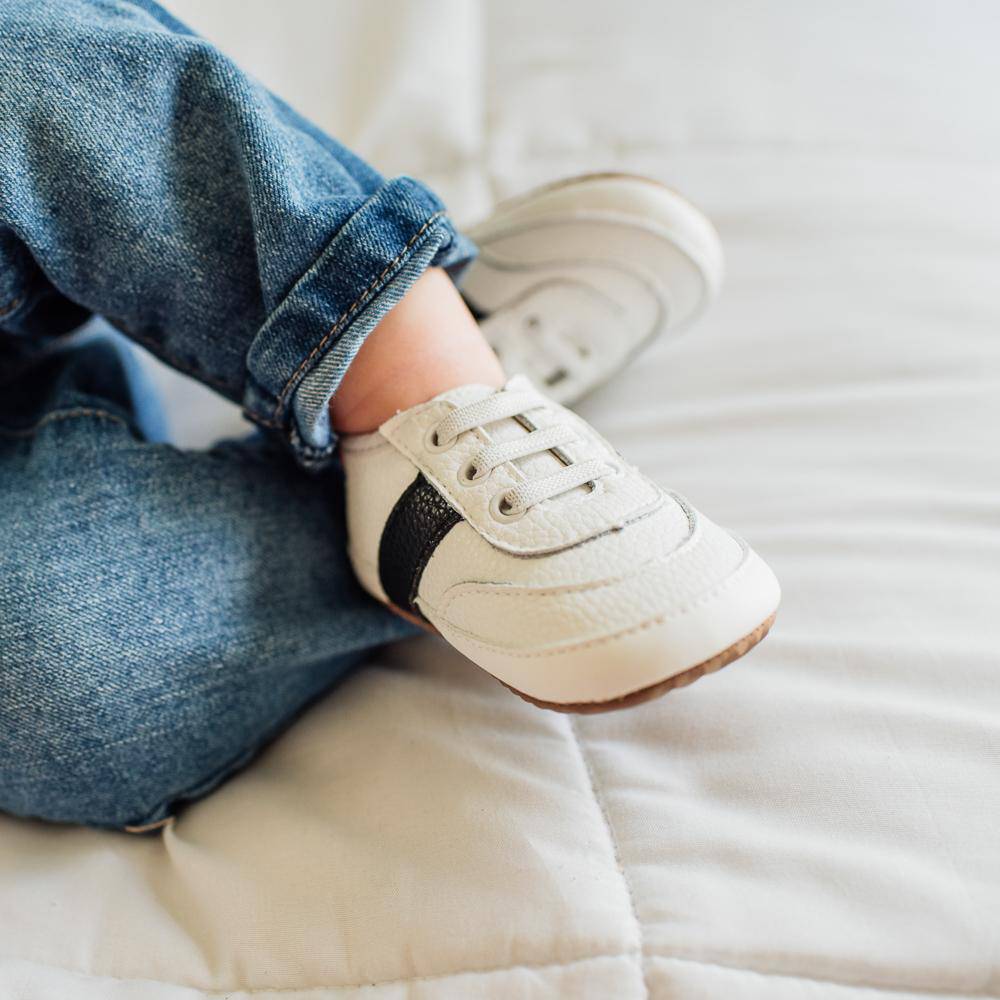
[{"x": 418, "y": 522}]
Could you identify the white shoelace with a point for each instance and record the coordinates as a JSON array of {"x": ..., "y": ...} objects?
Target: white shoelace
[{"x": 507, "y": 404}]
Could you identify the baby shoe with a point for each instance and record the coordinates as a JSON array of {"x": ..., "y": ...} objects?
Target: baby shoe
[
  {"x": 573, "y": 279},
  {"x": 504, "y": 522}
]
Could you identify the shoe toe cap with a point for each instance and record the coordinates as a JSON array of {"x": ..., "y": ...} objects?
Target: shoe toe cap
[{"x": 606, "y": 633}]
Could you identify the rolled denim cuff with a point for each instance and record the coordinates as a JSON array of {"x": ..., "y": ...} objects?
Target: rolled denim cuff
[{"x": 300, "y": 354}]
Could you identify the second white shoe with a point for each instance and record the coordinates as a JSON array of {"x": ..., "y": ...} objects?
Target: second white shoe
[
  {"x": 506, "y": 523},
  {"x": 573, "y": 279}
]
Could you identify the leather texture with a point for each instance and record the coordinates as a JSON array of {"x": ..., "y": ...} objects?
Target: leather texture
[
  {"x": 601, "y": 594},
  {"x": 591, "y": 595},
  {"x": 369, "y": 457},
  {"x": 545, "y": 528},
  {"x": 418, "y": 522}
]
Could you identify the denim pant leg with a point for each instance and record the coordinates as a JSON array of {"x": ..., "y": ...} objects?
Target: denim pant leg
[
  {"x": 162, "y": 613},
  {"x": 145, "y": 177}
]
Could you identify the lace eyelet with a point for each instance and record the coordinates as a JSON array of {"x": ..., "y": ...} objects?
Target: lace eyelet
[
  {"x": 468, "y": 475},
  {"x": 431, "y": 442},
  {"x": 499, "y": 514}
]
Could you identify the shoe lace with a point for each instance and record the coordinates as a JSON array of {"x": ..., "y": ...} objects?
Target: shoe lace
[{"x": 517, "y": 404}]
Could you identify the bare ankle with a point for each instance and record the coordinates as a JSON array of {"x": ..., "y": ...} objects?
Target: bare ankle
[{"x": 428, "y": 343}]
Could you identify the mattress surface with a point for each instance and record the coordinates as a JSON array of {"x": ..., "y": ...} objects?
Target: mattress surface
[{"x": 821, "y": 819}]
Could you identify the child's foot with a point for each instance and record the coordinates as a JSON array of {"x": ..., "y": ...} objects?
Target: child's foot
[
  {"x": 573, "y": 279},
  {"x": 507, "y": 524}
]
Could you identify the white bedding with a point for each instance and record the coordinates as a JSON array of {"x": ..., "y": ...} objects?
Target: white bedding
[{"x": 821, "y": 820}]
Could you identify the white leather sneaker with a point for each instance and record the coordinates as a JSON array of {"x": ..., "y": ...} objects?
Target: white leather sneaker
[
  {"x": 506, "y": 523},
  {"x": 573, "y": 279}
]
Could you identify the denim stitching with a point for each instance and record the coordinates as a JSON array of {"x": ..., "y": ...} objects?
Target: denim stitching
[
  {"x": 10, "y": 307},
  {"x": 309, "y": 451},
  {"x": 82, "y": 411},
  {"x": 273, "y": 425},
  {"x": 346, "y": 315}
]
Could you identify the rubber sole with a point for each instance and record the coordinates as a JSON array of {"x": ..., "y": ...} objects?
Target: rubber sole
[
  {"x": 706, "y": 257},
  {"x": 685, "y": 677},
  {"x": 689, "y": 676},
  {"x": 700, "y": 244}
]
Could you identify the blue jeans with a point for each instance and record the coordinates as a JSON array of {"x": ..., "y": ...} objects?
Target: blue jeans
[{"x": 165, "y": 613}]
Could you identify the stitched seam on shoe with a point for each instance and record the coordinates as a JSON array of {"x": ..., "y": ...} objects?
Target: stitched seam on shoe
[
  {"x": 604, "y": 639},
  {"x": 599, "y": 804},
  {"x": 346, "y": 316},
  {"x": 499, "y": 590}
]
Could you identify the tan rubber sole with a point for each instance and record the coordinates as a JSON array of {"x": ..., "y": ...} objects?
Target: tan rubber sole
[
  {"x": 685, "y": 677},
  {"x": 689, "y": 676}
]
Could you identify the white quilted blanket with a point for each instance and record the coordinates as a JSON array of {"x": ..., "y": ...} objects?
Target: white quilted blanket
[{"x": 821, "y": 820}]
